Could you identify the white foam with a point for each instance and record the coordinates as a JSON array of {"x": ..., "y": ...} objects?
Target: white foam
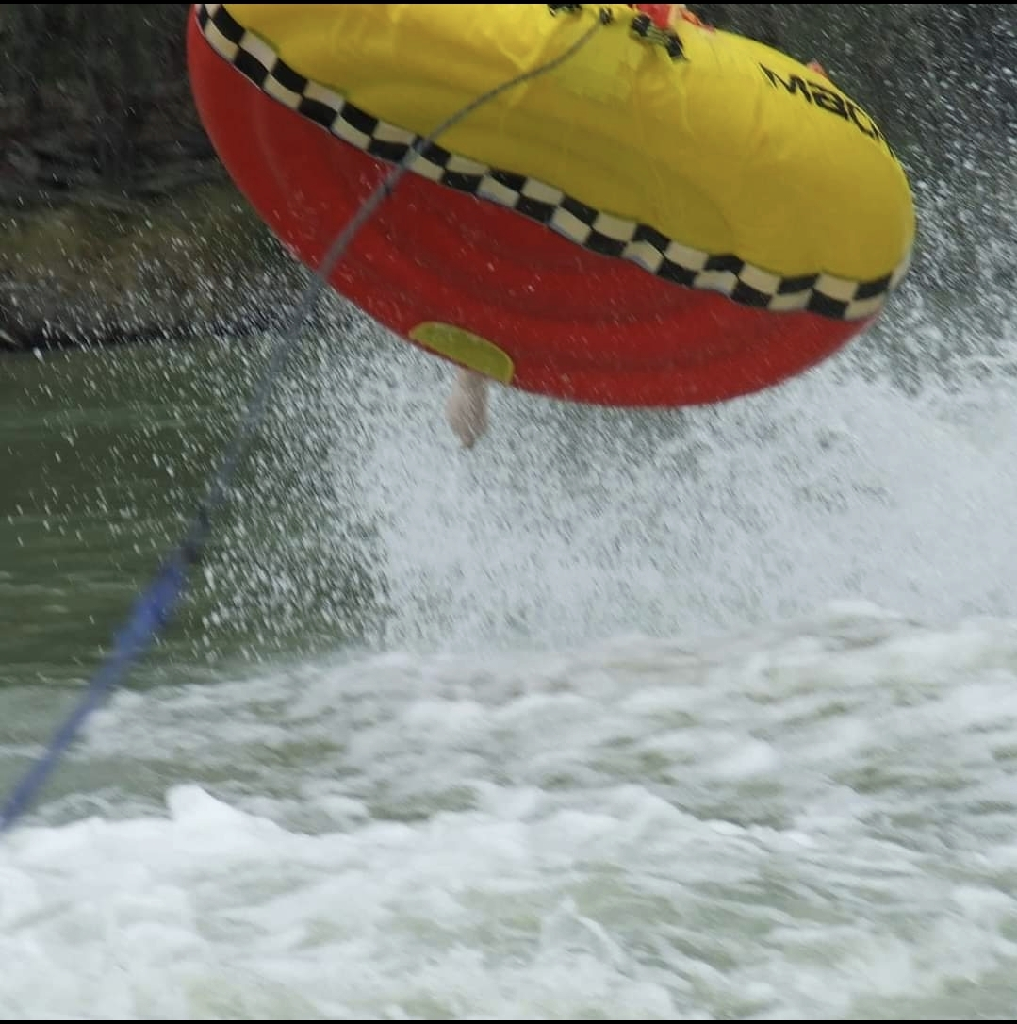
[{"x": 804, "y": 820}]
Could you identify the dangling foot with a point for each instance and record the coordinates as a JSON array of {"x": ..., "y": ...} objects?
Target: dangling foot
[{"x": 467, "y": 407}]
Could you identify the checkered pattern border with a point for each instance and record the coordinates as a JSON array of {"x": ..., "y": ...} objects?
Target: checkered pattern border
[{"x": 823, "y": 294}]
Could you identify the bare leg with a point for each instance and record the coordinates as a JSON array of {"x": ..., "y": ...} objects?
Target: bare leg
[{"x": 467, "y": 407}]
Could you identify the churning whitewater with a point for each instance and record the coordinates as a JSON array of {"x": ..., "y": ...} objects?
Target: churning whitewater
[{"x": 658, "y": 716}]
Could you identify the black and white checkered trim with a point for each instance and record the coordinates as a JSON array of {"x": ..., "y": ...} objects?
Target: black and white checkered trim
[{"x": 823, "y": 294}]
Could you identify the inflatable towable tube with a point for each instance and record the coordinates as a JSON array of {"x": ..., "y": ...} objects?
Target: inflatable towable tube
[{"x": 670, "y": 217}]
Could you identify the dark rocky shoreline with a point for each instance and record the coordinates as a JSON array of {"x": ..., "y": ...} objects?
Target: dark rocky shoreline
[{"x": 102, "y": 270}]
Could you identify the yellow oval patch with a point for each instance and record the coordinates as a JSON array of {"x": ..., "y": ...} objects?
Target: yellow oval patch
[{"x": 464, "y": 347}]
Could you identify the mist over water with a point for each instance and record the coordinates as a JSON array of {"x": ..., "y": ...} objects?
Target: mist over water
[{"x": 568, "y": 524}]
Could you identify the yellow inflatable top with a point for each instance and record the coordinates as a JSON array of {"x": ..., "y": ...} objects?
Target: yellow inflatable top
[{"x": 733, "y": 151}]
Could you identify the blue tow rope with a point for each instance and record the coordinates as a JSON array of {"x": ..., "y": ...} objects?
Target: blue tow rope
[{"x": 155, "y": 606}]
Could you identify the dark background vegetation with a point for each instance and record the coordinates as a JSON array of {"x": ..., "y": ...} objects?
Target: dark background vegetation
[{"x": 95, "y": 97}]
